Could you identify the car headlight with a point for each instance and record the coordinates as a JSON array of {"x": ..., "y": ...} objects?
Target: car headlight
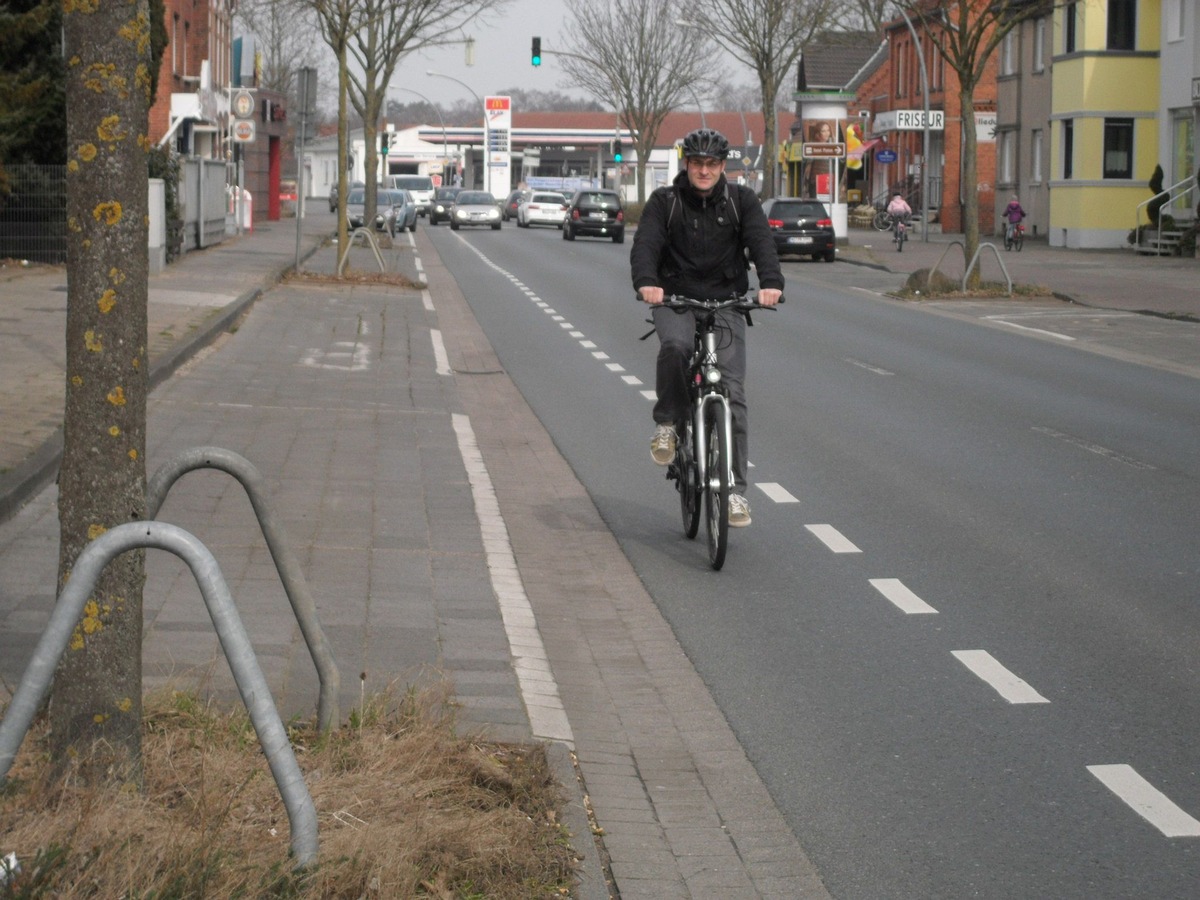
[{"x": 493, "y": 213}]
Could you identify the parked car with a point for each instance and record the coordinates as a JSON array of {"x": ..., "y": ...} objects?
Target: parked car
[
  {"x": 443, "y": 203},
  {"x": 333, "y": 194},
  {"x": 397, "y": 211},
  {"x": 356, "y": 207},
  {"x": 542, "y": 208},
  {"x": 475, "y": 208},
  {"x": 509, "y": 208},
  {"x": 595, "y": 213},
  {"x": 801, "y": 227}
]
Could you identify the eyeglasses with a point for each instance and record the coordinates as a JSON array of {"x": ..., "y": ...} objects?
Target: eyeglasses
[{"x": 704, "y": 163}]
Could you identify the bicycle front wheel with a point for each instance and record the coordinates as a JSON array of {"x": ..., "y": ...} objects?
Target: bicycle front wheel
[
  {"x": 687, "y": 481},
  {"x": 716, "y": 488}
]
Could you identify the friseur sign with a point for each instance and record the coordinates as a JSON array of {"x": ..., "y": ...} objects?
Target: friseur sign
[{"x": 908, "y": 120}]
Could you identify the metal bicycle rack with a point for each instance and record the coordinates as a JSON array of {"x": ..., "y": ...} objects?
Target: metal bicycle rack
[
  {"x": 294, "y": 583},
  {"x": 974, "y": 261},
  {"x": 369, "y": 234},
  {"x": 252, "y": 684}
]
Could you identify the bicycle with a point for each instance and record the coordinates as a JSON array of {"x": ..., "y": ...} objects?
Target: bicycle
[
  {"x": 900, "y": 233},
  {"x": 1014, "y": 236},
  {"x": 703, "y": 465}
]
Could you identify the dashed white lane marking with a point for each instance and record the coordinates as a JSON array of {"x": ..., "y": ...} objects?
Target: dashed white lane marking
[
  {"x": 1004, "y": 682},
  {"x": 904, "y": 599},
  {"x": 776, "y": 492},
  {"x": 587, "y": 345},
  {"x": 833, "y": 539},
  {"x": 427, "y": 300},
  {"x": 631, "y": 379},
  {"x": 547, "y": 717},
  {"x": 439, "y": 353},
  {"x": 1093, "y": 448},
  {"x": 1146, "y": 800},
  {"x": 652, "y": 396},
  {"x": 869, "y": 368}
]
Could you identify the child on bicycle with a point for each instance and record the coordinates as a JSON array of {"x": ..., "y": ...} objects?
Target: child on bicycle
[
  {"x": 1013, "y": 214},
  {"x": 898, "y": 208}
]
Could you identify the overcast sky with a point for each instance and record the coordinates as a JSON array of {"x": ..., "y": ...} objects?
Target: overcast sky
[{"x": 501, "y": 57}]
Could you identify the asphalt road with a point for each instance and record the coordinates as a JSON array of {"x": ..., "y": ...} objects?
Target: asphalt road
[{"x": 958, "y": 641}]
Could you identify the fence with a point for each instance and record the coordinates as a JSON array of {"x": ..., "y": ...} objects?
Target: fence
[{"x": 33, "y": 215}]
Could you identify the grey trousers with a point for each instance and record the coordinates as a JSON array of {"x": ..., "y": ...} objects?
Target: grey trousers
[{"x": 676, "y": 335}]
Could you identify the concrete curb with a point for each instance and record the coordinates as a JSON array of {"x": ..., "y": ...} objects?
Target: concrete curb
[{"x": 592, "y": 882}]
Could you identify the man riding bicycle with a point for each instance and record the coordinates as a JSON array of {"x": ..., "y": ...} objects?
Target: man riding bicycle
[{"x": 692, "y": 240}]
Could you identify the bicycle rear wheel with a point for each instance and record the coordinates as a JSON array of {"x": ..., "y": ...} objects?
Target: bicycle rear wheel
[
  {"x": 687, "y": 481},
  {"x": 882, "y": 221},
  {"x": 716, "y": 489}
]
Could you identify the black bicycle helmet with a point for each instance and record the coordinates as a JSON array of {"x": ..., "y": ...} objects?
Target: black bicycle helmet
[{"x": 706, "y": 142}]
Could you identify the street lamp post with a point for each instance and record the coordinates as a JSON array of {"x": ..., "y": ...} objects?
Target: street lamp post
[
  {"x": 699, "y": 105},
  {"x": 487, "y": 175},
  {"x": 442, "y": 121},
  {"x": 925, "y": 151}
]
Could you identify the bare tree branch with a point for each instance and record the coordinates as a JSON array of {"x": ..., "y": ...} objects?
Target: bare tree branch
[{"x": 625, "y": 54}]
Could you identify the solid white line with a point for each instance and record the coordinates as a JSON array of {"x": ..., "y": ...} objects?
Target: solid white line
[
  {"x": 1053, "y": 334},
  {"x": 776, "y": 492},
  {"x": 1146, "y": 800},
  {"x": 833, "y": 539},
  {"x": 902, "y": 597},
  {"x": 547, "y": 716},
  {"x": 439, "y": 353},
  {"x": 1004, "y": 682}
]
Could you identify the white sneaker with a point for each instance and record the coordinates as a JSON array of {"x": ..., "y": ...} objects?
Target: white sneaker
[
  {"x": 662, "y": 445},
  {"x": 739, "y": 511}
]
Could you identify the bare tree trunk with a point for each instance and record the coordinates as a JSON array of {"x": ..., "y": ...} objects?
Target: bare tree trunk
[
  {"x": 96, "y": 704},
  {"x": 970, "y": 179}
]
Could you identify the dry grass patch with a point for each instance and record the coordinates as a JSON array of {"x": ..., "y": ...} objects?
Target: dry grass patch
[{"x": 406, "y": 808}]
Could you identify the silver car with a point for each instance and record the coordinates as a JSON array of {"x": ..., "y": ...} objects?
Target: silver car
[{"x": 475, "y": 208}]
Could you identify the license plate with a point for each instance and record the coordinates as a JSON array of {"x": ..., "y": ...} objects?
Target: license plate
[
  {"x": 800, "y": 240},
  {"x": 596, "y": 215}
]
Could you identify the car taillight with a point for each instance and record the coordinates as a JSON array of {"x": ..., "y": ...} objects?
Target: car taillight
[
  {"x": 824, "y": 223},
  {"x": 775, "y": 223}
]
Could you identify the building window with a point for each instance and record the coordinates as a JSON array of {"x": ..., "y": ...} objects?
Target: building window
[
  {"x": 902, "y": 47},
  {"x": 1174, "y": 20},
  {"x": 1122, "y": 24},
  {"x": 1008, "y": 157},
  {"x": 1118, "y": 148},
  {"x": 1070, "y": 22},
  {"x": 175, "y": 45},
  {"x": 1008, "y": 54},
  {"x": 1039, "y": 45},
  {"x": 1068, "y": 161},
  {"x": 1035, "y": 153}
]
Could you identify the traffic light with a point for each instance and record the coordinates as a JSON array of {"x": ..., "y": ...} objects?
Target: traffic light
[
  {"x": 616, "y": 148},
  {"x": 536, "y": 55},
  {"x": 383, "y": 142}
]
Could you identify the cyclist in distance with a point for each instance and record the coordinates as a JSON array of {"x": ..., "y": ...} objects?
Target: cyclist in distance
[
  {"x": 1013, "y": 214},
  {"x": 692, "y": 240},
  {"x": 898, "y": 208}
]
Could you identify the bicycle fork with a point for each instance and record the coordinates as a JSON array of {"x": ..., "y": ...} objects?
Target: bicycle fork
[{"x": 725, "y": 422}]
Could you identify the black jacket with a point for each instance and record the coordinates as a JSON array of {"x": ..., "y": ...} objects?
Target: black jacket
[{"x": 693, "y": 245}]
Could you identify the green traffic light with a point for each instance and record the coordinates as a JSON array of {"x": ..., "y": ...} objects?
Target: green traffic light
[{"x": 536, "y": 55}]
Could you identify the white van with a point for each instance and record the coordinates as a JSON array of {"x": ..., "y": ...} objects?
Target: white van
[{"x": 420, "y": 186}]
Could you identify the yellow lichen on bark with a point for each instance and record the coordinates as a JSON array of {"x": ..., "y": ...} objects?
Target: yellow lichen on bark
[
  {"x": 117, "y": 396},
  {"x": 73, "y": 225},
  {"x": 92, "y": 342},
  {"x": 110, "y": 212},
  {"x": 86, "y": 7},
  {"x": 133, "y": 454},
  {"x": 137, "y": 30},
  {"x": 76, "y": 381},
  {"x": 94, "y": 531},
  {"x": 116, "y": 276},
  {"x": 87, "y": 152},
  {"x": 72, "y": 166},
  {"x": 114, "y": 431},
  {"x": 107, "y": 301},
  {"x": 109, "y": 129}
]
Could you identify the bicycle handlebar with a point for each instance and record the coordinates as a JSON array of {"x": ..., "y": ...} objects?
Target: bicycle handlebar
[{"x": 679, "y": 302}]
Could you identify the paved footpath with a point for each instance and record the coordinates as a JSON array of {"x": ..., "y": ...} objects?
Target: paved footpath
[{"x": 438, "y": 528}]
